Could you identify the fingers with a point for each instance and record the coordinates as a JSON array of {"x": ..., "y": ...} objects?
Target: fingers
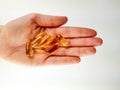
[
  {"x": 76, "y": 51},
  {"x": 60, "y": 60},
  {"x": 49, "y": 21},
  {"x": 73, "y": 31},
  {"x": 85, "y": 42}
]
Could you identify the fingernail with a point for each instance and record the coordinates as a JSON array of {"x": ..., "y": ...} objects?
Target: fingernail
[{"x": 76, "y": 60}]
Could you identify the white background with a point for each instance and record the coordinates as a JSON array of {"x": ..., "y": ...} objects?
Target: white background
[{"x": 98, "y": 72}]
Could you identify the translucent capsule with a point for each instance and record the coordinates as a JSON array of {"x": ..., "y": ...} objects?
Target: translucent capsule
[
  {"x": 38, "y": 38},
  {"x": 39, "y": 51},
  {"x": 43, "y": 39},
  {"x": 29, "y": 49},
  {"x": 62, "y": 40},
  {"x": 50, "y": 40},
  {"x": 52, "y": 48},
  {"x": 31, "y": 52}
]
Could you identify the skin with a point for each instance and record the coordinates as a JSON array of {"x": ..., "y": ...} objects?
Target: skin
[{"x": 14, "y": 34}]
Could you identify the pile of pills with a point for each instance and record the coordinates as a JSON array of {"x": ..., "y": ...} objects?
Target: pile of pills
[{"x": 44, "y": 43}]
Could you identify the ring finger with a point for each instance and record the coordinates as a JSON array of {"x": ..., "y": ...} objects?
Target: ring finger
[{"x": 76, "y": 51}]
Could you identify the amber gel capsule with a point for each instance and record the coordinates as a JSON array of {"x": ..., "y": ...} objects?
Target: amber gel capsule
[
  {"x": 62, "y": 40},
  {"x": 29, "y": 50}
]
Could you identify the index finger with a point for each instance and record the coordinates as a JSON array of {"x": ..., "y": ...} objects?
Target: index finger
[{"x": 71, "y": 32}]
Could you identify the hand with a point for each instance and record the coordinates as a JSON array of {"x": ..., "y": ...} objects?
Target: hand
[{"x": 15, "y": 33}]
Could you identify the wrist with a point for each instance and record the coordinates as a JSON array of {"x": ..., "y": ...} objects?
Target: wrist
[
  {"x": 1, "y": 40},
  {"x": 4, "y": 50},
  {"x": 1, "y": 28}
]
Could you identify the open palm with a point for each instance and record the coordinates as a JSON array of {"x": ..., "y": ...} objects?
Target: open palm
[{"x": 15, "y": 33}]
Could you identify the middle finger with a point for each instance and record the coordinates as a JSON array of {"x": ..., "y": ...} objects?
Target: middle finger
[{"x": 85, "y": 42}]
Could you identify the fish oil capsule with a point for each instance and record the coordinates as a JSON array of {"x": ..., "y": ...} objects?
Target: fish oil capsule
[
  {"x": 43, "y": 39},
  {"x": 52, "y": 48},
  {"x": 29, "y": 49},
  {"x": 31, "y": 52},
  {"x": 39, "y": 51},
  {"x": 38, "y": 37},
  {"x": 62, "y": 40},
  {"x": 49, "y": 40}
]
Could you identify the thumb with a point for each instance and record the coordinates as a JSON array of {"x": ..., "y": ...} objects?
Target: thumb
[{"x": 50, "y": 21}]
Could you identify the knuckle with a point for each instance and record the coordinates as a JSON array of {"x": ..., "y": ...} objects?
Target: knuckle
[{"x": 32, "y": 15}]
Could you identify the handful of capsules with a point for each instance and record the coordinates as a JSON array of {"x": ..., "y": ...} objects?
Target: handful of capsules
[{"x": 44, "y": 43}]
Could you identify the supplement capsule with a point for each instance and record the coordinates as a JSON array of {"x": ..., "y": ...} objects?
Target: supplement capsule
[
  {"x": 62, "y": 40},
  {"x": 27, "y": 47}
]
